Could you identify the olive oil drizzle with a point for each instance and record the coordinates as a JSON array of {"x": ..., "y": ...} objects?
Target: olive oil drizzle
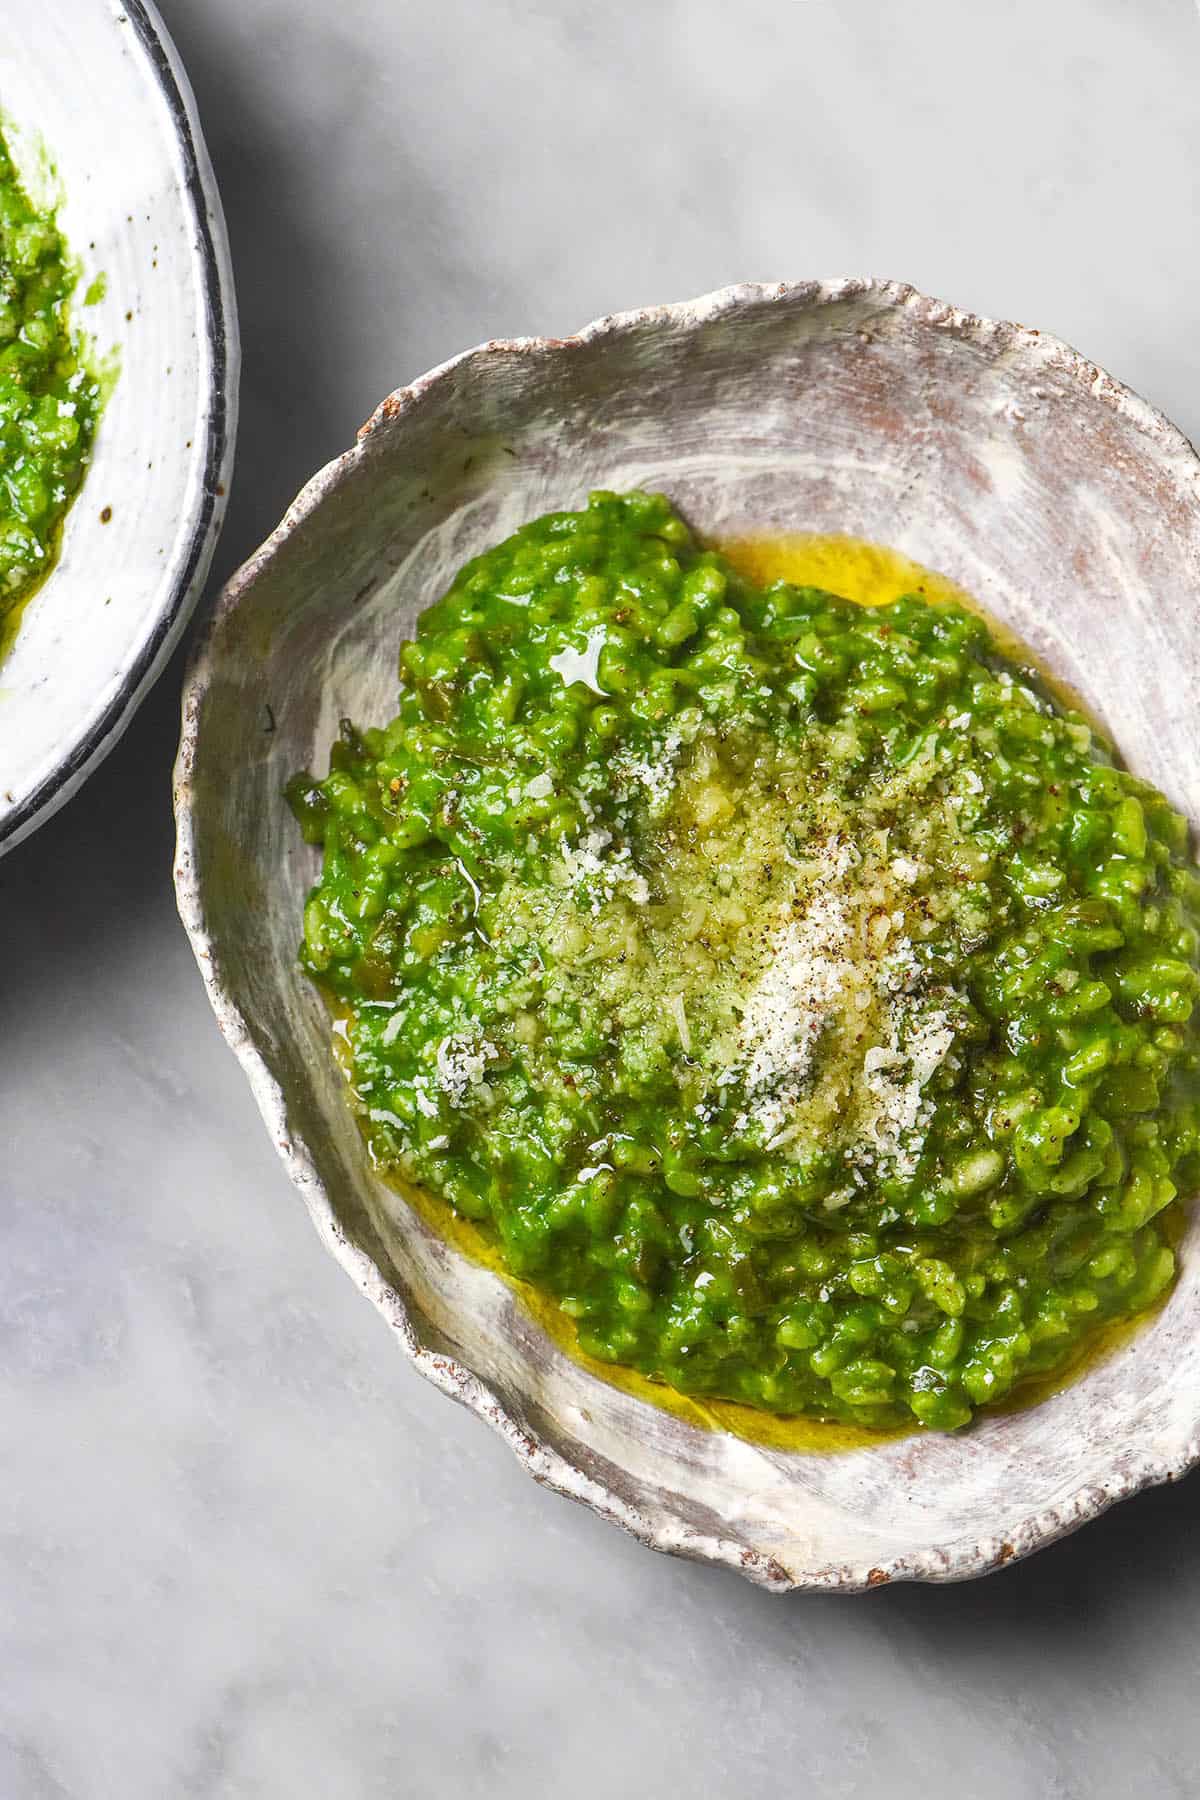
[{"x": 870, "y": 575}]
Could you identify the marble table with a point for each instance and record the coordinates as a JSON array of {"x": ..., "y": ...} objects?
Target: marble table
[{"x": 244, "y": 1550}]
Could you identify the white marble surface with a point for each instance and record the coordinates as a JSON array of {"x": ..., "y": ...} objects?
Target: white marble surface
[{"x": 244, "y": 1550}]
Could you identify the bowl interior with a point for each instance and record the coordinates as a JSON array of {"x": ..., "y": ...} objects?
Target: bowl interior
[
  {"x": 990, "y": 454},
  {"x": 139, "y": 211}
]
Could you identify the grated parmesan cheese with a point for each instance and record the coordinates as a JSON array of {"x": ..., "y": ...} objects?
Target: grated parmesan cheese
[
  {"x": 461, "y": 1065},
  {"x": 835, "y": 1034},
  {"x": 425, "y": 1106},
  {"x": 586, "y": 863},
  {"x": 789, "y": 1008},
  {"x": 657, "y": 776},
  {"x": 676, "y": 1008},
  {"x": 895, "y": 1079}
]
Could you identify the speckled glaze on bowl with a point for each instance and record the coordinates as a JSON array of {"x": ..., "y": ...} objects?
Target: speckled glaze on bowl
[
  {"x": 988, "y": 451},
  {"x": 97, "y": 109}
]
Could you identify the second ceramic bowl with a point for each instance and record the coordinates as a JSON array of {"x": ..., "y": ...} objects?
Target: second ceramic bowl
[{"x": 97, "y": 109}]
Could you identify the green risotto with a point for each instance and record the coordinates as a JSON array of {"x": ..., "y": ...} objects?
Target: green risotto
[
  {"x": 798, "y": 994},
  {"x": 49, "y": 401}
]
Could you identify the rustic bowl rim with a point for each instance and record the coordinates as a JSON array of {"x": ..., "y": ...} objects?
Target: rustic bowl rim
[{"x": 541, "y": 1460}]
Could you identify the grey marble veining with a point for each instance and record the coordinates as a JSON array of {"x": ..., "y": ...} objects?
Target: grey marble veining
[{"x": 244, "y": 1551}]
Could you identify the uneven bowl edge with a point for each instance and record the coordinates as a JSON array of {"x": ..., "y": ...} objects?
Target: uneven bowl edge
[{"x": 545, "y": 1464}]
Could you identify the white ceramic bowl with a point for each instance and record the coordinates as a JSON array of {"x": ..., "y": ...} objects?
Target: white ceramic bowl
[
  {"x": 95, "y": 88},
  {"x": 987, "y": 451}
]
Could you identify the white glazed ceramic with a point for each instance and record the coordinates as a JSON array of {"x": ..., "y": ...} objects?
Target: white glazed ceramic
[
  {"x": 95, "y": 89},
  {"x": 987, "y": 451}
]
